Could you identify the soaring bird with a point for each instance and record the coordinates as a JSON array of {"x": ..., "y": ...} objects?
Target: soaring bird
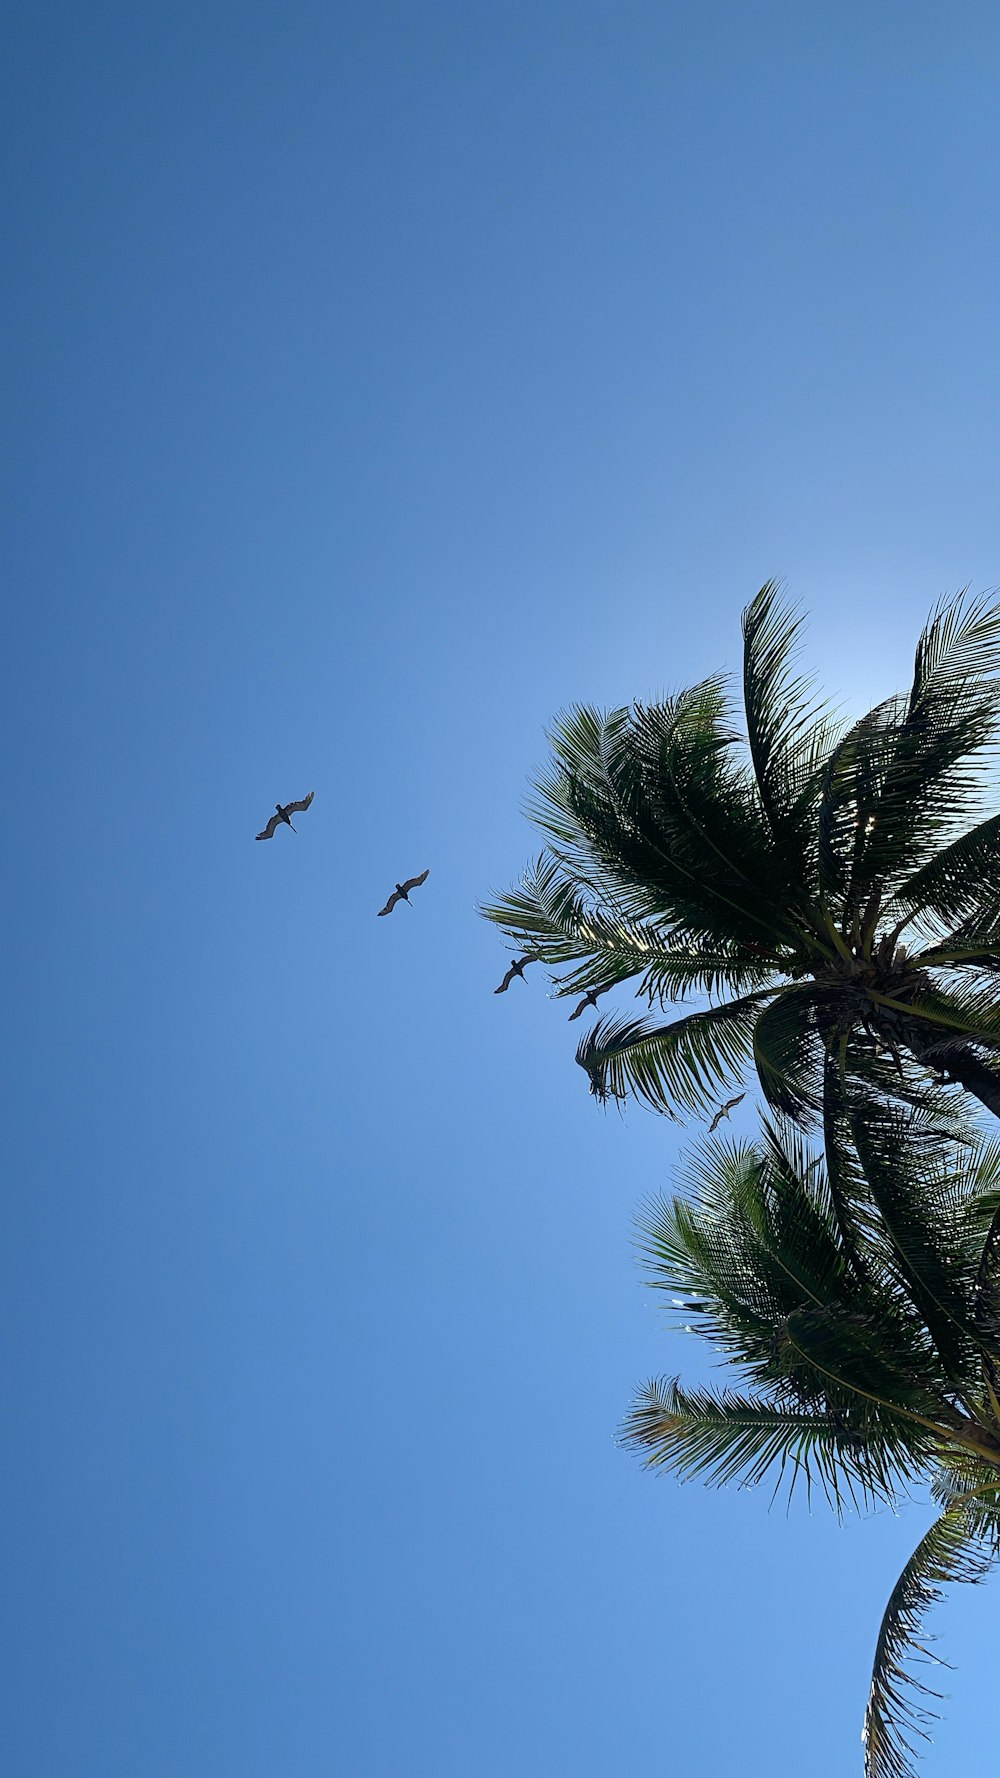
[
  {"x": 724, "y": 1111},
  {"x": 402, "y": 892},
  {"x": 281, "y": 814},
  {"x": 518, "y": 967},
  {"x": 588, "y": 1000}
]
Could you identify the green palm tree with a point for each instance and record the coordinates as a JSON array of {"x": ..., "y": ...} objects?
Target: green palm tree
[
  {"x": 816, "y": 887},
  {"x": 859, "y": 1300}
]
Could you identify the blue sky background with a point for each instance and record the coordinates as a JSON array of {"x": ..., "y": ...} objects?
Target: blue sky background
[{"x": 379, "y": 381}]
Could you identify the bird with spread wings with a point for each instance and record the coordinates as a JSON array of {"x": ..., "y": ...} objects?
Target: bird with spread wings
[
  {"x": 402, "y": 891},
  {"x": 589, "y": 999},
  {"x": 724, "y": 1111},
  {"x": 282, "y": 814},
  {"x": 517, "y": 968}
]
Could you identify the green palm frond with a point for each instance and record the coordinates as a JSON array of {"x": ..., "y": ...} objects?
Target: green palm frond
[
  {"x": 654, "y": 810},
  {"x": 879, "y": 1354},
  {"x": 959, "y": 646},
  {"x": 913, "y": 1177},
  {"x": 549, "y": 914},
  {"x": 685, "y": 1065},
  {"x": 723, "y": 1436},
  {"x": 850, "y": 786},
  {"x": 930, "y": 781},
  {"x": 962, "y": 1009},
  {"x": 986, "y": 1300},
  {"x": 961, "y": 883},
  {"x": 959, "y": 1547},
  {"x": 789, "y": 731},
  {"x": 788, "y": 1051}
]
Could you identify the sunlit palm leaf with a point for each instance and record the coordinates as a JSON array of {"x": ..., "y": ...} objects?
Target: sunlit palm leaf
[{"x": 723, "y": 1436}]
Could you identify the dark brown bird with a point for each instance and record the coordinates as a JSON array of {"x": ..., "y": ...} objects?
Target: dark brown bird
[
  {"x": 724, "y": 1111},
  {"x": 402, "y": 892},
  {"x": 518, "y": 967},
  {"x": 282, "y": 814},
  {"x": 588, "y": 1000}
]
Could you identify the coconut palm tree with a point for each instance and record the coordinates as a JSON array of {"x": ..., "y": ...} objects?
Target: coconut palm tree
[
  {"x": 858, "y": 1299},
  {"x": 813, "y": 886}
]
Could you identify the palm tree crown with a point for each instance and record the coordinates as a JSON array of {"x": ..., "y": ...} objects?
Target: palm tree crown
[
  {"x": 859, "y": 1300},
  {"x": 824, "y": 889}
]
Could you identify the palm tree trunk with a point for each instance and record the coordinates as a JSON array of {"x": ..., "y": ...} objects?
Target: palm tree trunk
[{"x": 959, "y": 1060}]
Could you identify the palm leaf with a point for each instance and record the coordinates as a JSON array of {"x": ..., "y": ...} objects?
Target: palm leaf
[
  {"x": 788, "y": 1051},
  {"x": 789, "y": 733},
  {"x": 954, "y": 1549},
  {"x": 687, "y": 1064},
  {"x": 723, "y": 1436},
  {"x": 927, "y": 783},
  {"x": 961, "y": 882}
]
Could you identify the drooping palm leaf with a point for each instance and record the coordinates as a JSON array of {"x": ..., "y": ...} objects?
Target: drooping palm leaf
[
  {"x": 956, "y": 1548},
  {"x": 685, "y": 1065},
  {"x": 788, "y": 1050}
]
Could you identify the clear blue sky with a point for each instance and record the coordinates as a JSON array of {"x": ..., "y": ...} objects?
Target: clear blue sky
[{"x": 379, "y": 380}]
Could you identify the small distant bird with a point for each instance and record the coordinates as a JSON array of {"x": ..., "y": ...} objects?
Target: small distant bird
[
  {"x": 724, "y": 1111},
  {"x": 588, "y": 1000},
  {"x": 518, "y": 967},
  {"x": 402, "y": 892},
  {"x": 282, "y": 814}
]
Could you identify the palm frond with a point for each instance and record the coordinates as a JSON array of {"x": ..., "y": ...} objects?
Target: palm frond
[
  {"x": 961, "y": 882},
  {"x": 790, "y": 733},
  {"x": 685, "y": 1065},
  {"x": 723, "y": 1436},
  {"x": 788, "y": 1051},
  {"x": 849, "y": 791},
  {"x": 931, "y": 781},
  {"x": 879, "y": 1353},
  {"x": 955, "y": 1549},
  {"x": 654, "y": 810},
  {"x": 914, "y": 1177}
]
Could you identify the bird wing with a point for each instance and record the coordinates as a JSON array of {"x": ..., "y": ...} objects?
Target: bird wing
[
  {"x": 269, "y": 831},
  {"x": 575, "y": 1014},
  {"x": 297, "y": 808},
  {"x": 731, "y": 1102},
  {"x": 716, "y": 1121},
  {"x": 390, "y": 904},
  {"x": 508, "y": 978},
  {"x": 415, "y": 882}
]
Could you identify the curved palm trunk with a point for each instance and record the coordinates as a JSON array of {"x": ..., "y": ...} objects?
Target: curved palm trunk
[{"x": 957, "y": 1059}]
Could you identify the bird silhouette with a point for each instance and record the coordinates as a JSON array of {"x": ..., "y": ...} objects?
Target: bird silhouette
[
  {"x": 518, "y": 967},
  {"x": 402, "y": 891},
  {"x": 724, "y": 1111},
  {"x": 589, "y": 999},
  {"x": 282, "y": 814}
]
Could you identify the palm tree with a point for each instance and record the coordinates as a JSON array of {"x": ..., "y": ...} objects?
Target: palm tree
[
  {"x": 773, "y": 874},
  {"x": 860, "y": 1302}
]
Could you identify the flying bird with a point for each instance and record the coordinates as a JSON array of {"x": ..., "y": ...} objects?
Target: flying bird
[
  {"x": 402, "y": 891},
  {"x": 282, "y": 814},
  {"x": 518, "y": 967},
  {"x": 724, "y": 1111},
  {"x": 588, "y": 1000}
]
